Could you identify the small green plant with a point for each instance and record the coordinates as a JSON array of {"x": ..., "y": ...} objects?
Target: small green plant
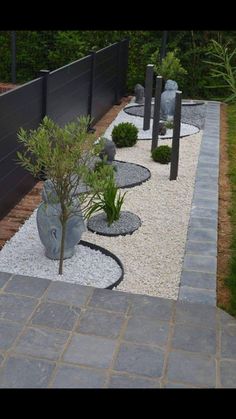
[
  {"x": 223, "y": 69},
  {"x": 162, "y": 154},
  {"x": 100, "y": 164},
  {"x": 108, "y": 200},
  {"x": 170, "y": 68},
  {"x": 125, "y": 134},
  {"x": 169, "y": 124}
]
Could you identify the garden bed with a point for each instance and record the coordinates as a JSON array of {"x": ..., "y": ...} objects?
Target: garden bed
[{"x": 153, "y": 255}]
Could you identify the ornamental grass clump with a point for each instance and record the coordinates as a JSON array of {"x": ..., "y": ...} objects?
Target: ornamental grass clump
[
  {"x": 125, "y": 134},
  {"x": 162, "y": 154},
  {"x": 223, "y": 69},
  {"x": 109, "y": 199}
]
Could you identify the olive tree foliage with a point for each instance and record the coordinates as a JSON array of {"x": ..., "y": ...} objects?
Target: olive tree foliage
[{"x": 65, "y": 155}]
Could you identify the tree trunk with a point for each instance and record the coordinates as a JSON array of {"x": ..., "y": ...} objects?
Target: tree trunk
[{"x": 63, "y": 233}]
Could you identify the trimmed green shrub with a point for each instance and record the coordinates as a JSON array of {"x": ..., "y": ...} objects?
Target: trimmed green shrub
[
  {"x": 125, "y": 134},
  {"x": 162, "y": 154}
]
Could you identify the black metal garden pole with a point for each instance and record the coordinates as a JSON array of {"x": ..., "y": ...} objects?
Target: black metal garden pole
[
  {"x": 118, "y": 74},
  {"x": 176, "y": 134},
  {"x": 44, "y": 74},
  {"x": 148, "y": 96},
  {"x": 163, "y": 45},
  {"x": 91, "y": 87},
  {"x": 13, "y": 57}
]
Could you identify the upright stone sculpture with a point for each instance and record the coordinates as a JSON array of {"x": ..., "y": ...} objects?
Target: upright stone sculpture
[
  {"x": 168, "y": 100},
  {"x": 49, "y": 225},
  {"x": 109, "y": 150},
  {"x": 139, "y": 93}
]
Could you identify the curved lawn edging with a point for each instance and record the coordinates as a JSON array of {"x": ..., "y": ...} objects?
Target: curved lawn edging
[
  {"x": 198, "y": 277},
  {"x": 111, "y": 255}
]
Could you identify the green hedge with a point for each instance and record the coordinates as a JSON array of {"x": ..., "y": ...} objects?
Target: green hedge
[{"x": 38, "y": 50}]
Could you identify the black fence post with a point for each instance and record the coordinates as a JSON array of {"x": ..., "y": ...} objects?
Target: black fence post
[
  {"x": 156, "y": 114},
  {"x": 91, "y": 87},
  {"x": 148, "y": 96},
  {"x": 44, "y": 74},
  {"x": 163, "y": 45},
  {"x": 13, "y": 57},
  {"x": 118, "y": 71},
  {"x": 176, "y": 134},
  {"x": 124, "y": 66}
]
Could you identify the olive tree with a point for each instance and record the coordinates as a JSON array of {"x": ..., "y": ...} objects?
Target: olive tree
[{"x": 65, "y": 154}]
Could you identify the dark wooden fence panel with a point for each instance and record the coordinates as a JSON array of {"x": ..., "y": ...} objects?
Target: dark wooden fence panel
[
  {"x": 21, "y": 107},
  {"x": 68, "y": 91},
  {"x": 105, "y": 79},
  {"x": 91, "y": 85}
]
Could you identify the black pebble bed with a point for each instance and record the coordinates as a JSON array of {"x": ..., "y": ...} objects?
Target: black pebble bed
[{"x": 127, "y": 224}]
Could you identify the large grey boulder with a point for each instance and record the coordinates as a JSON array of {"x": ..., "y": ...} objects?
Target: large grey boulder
[
  {"x": 139, "y": 93},
  {"x": 109, "y": 150}
]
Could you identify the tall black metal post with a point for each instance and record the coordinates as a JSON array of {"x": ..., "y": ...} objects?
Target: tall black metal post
[
  {"x": 118, "y": 73},
  {"x": 163, "y": 45},
  {"x": 44, "y": 74},
  {"x": 148, "y": 96},
  {"x": 156, "y": 114},
  {"x": 13, "y": 57},
  {"x": 91, "y": 87},
  {"x": 124, "y": 66},
  {"x": 176, "y": 134}
]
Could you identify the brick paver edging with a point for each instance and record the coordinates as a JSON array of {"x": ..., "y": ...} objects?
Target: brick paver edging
[{"x": 199, "y": 276}]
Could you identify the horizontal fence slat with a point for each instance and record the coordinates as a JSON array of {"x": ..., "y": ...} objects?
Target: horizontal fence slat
[
  {"x": 28, "y": 117},
  {"x": 19, "y": 186},
  {"x": 17, "y": 98},
  {"x": 66, "y": 74}
]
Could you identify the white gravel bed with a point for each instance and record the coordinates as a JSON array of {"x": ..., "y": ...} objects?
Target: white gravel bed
[
  {"x": 24, "y": 255},
  {"x": 185, "y": 129},
  {"x": 152, "y": 256}
]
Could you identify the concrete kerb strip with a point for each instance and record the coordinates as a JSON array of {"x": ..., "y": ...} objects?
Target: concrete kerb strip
[{"x": 198, "y": 277}]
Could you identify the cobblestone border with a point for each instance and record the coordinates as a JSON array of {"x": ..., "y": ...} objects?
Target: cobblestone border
[{"x": 198, "y": 278}]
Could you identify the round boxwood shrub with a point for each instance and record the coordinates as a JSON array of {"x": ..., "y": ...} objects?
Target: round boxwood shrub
[
  {"x": 125, "y": 134},
  {"x": 162, "y": 154}
]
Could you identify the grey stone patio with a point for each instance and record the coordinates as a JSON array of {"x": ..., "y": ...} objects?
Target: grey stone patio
[{"x": 60, "y": 335}]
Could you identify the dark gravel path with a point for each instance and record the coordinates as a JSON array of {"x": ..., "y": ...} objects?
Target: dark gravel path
[{"x": 194, "y": 114}]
